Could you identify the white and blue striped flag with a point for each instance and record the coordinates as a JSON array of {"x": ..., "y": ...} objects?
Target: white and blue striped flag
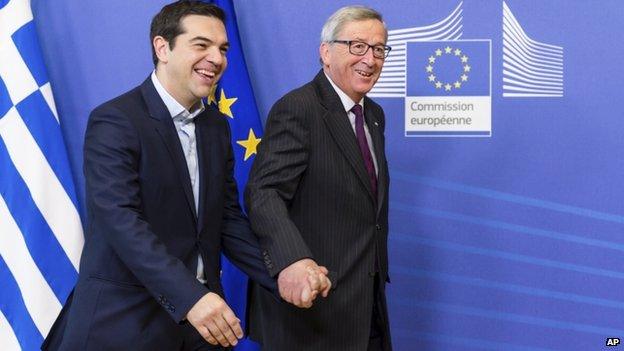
[{"x": 40, "y": 230}]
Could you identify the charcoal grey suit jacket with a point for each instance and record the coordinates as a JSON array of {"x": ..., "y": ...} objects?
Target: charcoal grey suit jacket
[{"x": 309, "y": 195}]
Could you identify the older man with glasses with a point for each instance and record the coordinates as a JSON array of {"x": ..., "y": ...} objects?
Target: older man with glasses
[{"x": 318, "y": 195}]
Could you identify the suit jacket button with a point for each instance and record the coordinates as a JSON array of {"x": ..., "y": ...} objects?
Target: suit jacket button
[{"x": 378, "y": 227}]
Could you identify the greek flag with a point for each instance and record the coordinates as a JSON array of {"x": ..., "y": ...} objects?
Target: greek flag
[{"x": 40, "y": 230}]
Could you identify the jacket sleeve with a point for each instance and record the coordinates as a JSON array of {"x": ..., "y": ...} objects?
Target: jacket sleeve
[{"x": 275, "y": 175}]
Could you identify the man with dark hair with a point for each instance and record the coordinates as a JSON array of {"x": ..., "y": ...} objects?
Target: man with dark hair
[
  {"x": 162, "y": 205},
  {"x": 318, "y": 194},
  {"x": 166, "y": 23}
]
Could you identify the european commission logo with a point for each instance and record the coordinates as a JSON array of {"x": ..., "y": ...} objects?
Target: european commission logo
[
  {"x": 448, "y": 88},
  {"x": 446, "y": 80}
]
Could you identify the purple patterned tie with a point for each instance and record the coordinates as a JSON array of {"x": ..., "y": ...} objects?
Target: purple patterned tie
[{"x": 363, "y": 143}]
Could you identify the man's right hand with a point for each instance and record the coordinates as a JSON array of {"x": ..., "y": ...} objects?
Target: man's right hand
[
  {"x": 215, "y": 321},
  {"x": 301, "y": 282}
]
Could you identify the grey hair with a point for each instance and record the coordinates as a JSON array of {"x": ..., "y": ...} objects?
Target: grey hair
[{"x": 334, "y": 24}]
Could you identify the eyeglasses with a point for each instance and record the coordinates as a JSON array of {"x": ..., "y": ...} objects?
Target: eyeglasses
[{"x": 359, "y": 48}]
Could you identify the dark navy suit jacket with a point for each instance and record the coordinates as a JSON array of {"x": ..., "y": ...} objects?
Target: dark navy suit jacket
[{"x": 137, "y": 275}]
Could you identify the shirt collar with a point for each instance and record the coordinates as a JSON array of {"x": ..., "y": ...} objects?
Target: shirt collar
[
  {"x": 173, "y": 106},
  {"x": 347, "y": 103}
]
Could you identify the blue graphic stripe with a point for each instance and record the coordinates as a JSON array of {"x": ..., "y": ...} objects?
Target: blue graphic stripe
[
  {"x": 462, "y": 341},
  {"x": 506, "y": 255},
  {"x": 507, "y": 226},
  {"x": 509, "y": 317},
  {"x": 27, "y": 44},
  {"x": 46, "y": 131},
  {"x": 5, "y": 99},
  {"x": 13, "y": 307},
  {"x": 42, "y": 244},
  {"x": 514, "y": 288},
  {"x": 498, "y": 195}
]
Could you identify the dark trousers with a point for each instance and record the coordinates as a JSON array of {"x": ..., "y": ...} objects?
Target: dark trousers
[{"x": 375, "y": 341}]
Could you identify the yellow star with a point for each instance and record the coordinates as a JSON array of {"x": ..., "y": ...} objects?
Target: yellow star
[
  {"x": 438, "y": 52},
  {"x": 250, "y": 145},
  {"x": 457, "y": 85},
  {"x": 457, "y": 52},
  {"x": 212, "y": 99},
  {"x": 225, "y": 104},
  {"x": 448, "y": 49},
  {"x": 431, "y": 59}
]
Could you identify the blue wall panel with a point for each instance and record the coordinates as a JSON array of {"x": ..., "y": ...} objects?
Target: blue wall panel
[{"x": 507, "y": 242}]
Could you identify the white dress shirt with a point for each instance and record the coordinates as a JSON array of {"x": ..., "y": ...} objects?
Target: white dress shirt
[{"x": 348, "y": 105}]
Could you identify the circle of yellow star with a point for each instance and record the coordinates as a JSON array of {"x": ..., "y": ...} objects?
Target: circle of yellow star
[
  {"x": 250, "y": 145},
  {"x": 448, "y": 86}
]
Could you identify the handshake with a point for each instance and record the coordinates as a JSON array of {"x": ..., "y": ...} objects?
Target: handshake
[{"x": 301, "y": 282}]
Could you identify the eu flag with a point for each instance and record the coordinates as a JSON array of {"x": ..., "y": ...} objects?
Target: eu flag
[
  {"x": 234, "y": 97},
  {"x": 448, "y": 68}
]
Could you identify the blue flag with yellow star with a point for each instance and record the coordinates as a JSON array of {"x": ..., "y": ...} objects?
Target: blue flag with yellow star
[{"x": 234, "y": 97}]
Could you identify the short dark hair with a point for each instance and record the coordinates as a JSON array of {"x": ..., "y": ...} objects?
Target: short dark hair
[{"x": 167, "y": 22}]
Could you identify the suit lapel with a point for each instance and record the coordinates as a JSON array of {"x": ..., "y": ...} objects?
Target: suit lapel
[
  {"x": 340, "y": 128},
  {"x": 373, "y": 123},
  {"x": 166, "y": 129}
]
